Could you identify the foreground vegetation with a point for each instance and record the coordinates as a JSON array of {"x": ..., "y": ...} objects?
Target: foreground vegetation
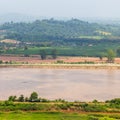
[
  {"x": 59, "y": 111},
  {"x": 33, "y": 107},
  {"x": 18, "y": 115},
  {"x": 112, "y": 106}
]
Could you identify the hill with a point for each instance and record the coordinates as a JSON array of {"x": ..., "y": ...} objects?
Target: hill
[{"x": 41, "y": 30}]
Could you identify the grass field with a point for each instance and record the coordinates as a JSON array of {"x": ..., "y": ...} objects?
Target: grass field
[
  {"x": 55, "y": 116},
  {"x": 87, "y": 50},
  {"x": 92, "y": 37}
]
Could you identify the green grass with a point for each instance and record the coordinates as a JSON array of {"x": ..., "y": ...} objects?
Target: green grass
[
  {"x": 54, "y": 106},
  {"x": 94, "y": 50},
  {"x": 54, "y": 110},
  {"x": 54, "y": 116},
  {"x": 41, "y": 116},
  {"x": 93, "y": 37}
]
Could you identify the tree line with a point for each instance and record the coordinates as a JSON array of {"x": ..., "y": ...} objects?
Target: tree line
[{"x": 33, "y": 98}]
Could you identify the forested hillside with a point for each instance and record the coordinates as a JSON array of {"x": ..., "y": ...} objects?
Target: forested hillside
[{"x": 57, "y": 30}]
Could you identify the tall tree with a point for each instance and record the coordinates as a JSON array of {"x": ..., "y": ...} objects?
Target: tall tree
[
  {"x": 33, "y": 97},
  {"x": 26, "y": 52},
  {"x": 110, "y": 56},
  {"x": 12, "y": 98},
  {"x": 118, "y": 52},
  {"x": 21, "y": 98},
  {"x": 43, "y": 54},
  {"x": 54, "y": 54}
]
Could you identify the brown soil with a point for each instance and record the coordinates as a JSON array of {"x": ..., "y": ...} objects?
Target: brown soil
[{"x": 37, "y": 60}]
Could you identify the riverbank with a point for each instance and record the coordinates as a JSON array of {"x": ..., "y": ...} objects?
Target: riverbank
[
  {"x": 62, "y": 62},
  {"x": 62, "y": 66}
]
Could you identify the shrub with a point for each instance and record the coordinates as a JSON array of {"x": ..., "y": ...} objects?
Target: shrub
[
  {"x": 1, "y": 61},
  {"x": 60, "y": 61},
  {"x": 12, "y": 98},
  {"x": 21, "y": 98}
]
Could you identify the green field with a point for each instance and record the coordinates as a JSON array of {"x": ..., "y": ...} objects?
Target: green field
[
  {"x": 93, "y": 37},
  {"x": 55, "y": 116},
  {"x": 93, "y": 50}
]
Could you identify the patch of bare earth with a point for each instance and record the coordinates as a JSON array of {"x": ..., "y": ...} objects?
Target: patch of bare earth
[{"x": 37, "y": 59}]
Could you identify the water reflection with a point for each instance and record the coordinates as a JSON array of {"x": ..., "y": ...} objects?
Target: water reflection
[{"x": 84, "y": 85}]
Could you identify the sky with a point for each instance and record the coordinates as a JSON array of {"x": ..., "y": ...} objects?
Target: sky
[{"x": 63, "y": 8}]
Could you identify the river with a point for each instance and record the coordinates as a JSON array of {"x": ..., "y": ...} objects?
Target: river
[{"x": 68, "y": 84}]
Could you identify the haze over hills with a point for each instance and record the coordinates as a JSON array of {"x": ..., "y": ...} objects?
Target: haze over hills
[{"x": 17, "y": 17}]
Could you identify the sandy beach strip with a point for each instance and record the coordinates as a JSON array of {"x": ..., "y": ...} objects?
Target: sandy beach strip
[{"x": 63, "y": 66}]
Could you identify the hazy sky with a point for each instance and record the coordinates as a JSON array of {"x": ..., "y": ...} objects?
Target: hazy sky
[{"x": 63, "y": 8}]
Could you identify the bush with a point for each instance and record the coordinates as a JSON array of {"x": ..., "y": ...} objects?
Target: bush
[
  {"x": 8, "y": 103},
  {"x": 93, "y": 118},
  {"x": 28, "y": 107},
  {"x": 93, "y": 108},
  {"x": 1, "y": 61},
  {"x": 12, "y": 98},
  {"x": 115, "y": 101},
  {"x": 64, "y": 106},
  {"x": 60, "y": 61},
  {"x": 21, "y": 98}
]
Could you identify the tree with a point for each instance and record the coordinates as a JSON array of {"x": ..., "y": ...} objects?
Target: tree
[
  {"x": 33, "y": 97},
  {"x": 95, "y": 101},
  {"x": 43, "y": 54},
  {"x": 1, "y": 61},
  {"x": 25, "y": 52},
  {"x": 101, "y": 56},
  {"x": 54, "y": 54},
  {"x": 110, "y": 56},
  {"x": 118, "y": 52},
  {"x": 26, "y": 99},
  {"x": 21, "y": 98},
  {"x": 12, "y": 98},
  {"x": 25, "y": 48}
]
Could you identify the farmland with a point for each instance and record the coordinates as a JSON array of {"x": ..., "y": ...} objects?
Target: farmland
[{"x": 90, "y": 50}]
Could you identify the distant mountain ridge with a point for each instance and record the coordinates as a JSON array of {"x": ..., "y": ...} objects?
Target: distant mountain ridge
[
  {"x": 15, "y": 17},
  {"x": 51, "y": 29}
]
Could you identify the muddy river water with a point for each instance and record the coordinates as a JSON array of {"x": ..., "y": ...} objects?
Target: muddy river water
[{"x": 69, "y": 84}]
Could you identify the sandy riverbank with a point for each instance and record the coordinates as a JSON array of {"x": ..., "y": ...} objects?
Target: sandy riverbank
[{"x": 63, "y": 66}]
